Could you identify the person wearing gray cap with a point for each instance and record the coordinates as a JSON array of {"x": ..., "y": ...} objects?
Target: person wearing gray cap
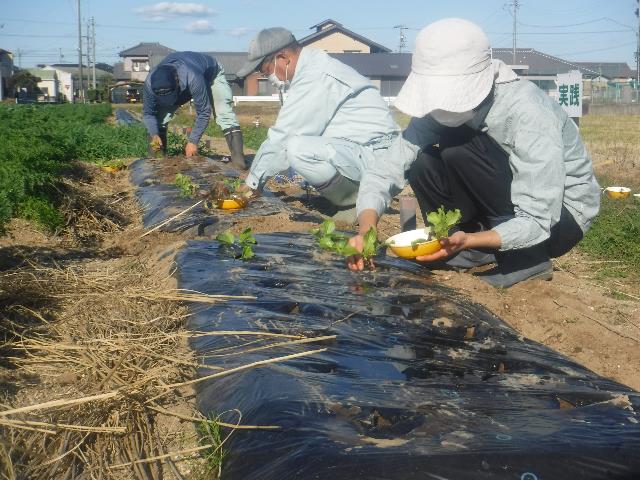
[
  {"x": 332, "y": 124},
  {"x": 492, "y": 145},
  {"x": 179, "y": 78}
]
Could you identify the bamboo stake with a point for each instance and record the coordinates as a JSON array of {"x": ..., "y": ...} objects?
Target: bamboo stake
[
  {"x": 245, "y": 367},
  {"x": 60, "y": 403},
  {"x": 171, "y": 219}
]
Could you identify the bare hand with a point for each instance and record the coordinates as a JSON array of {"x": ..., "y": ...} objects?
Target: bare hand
[
  {"x": 156, "y": 143},
  {"x": 191, "y": 149},
  {"x": 245, "y": 191},
  {"x": 356, "y": 262},
  {"x": 450, "y": 246}
]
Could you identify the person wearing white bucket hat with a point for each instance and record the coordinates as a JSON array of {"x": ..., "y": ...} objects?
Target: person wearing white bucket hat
[
  {"x": 492, "y": 145},
  {"x": 333, "y": 122}
]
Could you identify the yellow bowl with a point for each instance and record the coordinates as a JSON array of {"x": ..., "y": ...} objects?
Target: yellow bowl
[
  {"x": 401, "y": 245},
  {"x": 618, "y": 192},
  {"x": 231, "y": 203}
]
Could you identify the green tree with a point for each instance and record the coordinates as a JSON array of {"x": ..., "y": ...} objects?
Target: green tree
[{"x": 23, "y": 79}]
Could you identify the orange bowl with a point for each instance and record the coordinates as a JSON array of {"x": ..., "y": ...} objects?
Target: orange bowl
[
  {"x": 618, "y": 192},
  {"x": 413, "y": 243},
  {"x": 231, "y": 203}
]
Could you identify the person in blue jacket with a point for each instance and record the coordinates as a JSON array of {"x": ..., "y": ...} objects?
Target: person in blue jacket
[{"x": 179, "y": 78}]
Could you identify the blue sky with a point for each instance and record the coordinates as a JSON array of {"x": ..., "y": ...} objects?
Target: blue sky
[{"x": 580, "y": 30}]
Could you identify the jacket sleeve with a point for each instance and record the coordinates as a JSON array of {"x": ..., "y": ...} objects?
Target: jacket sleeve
[
  {"x": 537, "y": 163},
  {"x": 149, "y": 110},
  {"x": 385, "y": 176},
  {"x": 200, "y": 93},
  {"x": 311, "y": 103}
]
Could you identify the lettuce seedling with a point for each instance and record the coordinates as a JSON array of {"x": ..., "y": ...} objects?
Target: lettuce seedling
[
  {"x": 329, "y": 239},
  {"x": 240, "y": 247},
  {"x": 186, "y": 186},
  {"x": 442, "y": 221}
]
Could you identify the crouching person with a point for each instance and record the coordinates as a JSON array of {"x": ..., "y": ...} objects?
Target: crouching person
[
  {"x": 332, "y": 124},
  {"x": 179, "y": 78},
  {"x": 494, "y": 146}
]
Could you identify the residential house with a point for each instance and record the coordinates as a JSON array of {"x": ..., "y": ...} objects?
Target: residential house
[
  {"x": 6, "y": 70},
  {"x": 138, "y": 61},
  {"x": 69, "y": 76},
  {"x": 48, "y": 84}
]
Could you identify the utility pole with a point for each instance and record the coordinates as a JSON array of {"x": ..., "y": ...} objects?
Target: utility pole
[
  {"x": 19, "y": 55},
  {"x": 516, "y": 5},
  {"x": 93, "y": 49},
  {"x": 403, "y": 39},
  {"x": 60, "y": 55},
  {"x": 638, "y": 54},
  {"x": 81, "y": 91}
]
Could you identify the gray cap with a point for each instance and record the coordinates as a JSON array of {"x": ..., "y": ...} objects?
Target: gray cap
[{"x": 267, "y": 42}]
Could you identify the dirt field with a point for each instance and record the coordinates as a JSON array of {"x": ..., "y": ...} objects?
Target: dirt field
[{"x": 592, "y": 319}]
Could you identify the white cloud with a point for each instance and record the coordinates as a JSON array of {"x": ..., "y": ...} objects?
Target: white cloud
[
  {"x": 238, "y": 31},
  {"x": 163, "y": 11},
  {"x": 201, "y": 27}
]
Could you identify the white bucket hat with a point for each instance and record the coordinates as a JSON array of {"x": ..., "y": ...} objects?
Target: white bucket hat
[{"x": 451, "y": 69}]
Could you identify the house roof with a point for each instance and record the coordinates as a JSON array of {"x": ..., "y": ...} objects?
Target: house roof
[
  {"x": 318, "y": 26},
  {"x": 231, "y": 61},
  {"x": 377, "y": 65},
  {"x": 609, "y": 69},
  {"x": 42, "y": 74},
  {"x": 74, "y": 70},
  {"x": 543, "y": 64},
  {"x": 147, "y": 49},
  {"x": 337, "y": 27}
]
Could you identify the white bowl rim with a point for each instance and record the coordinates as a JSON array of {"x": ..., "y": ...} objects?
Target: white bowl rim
[
  {"x": 409, "y": 236},
  {"x": 617, "y": 189}
]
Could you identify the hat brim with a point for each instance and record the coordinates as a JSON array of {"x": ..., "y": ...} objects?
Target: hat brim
[
  {"x": 422, "y": 94},
  {"x": 250, "y": 67},
  {"x": 167, "y": 100}
]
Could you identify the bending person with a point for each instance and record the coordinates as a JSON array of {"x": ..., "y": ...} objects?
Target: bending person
[
  {"x": 179, "y": 78},
  {"x": 332, "y": 124},
  {"x": 494, "y": 146}
]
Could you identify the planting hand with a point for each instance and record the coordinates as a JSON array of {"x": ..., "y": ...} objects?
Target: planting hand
[
  {"x": 450, "y": 246},
  {"x": 356, "y": 262},
  {"x": 245, "y": 191},
  {"x": 191, "y": 149},
  {"x": 463, "y": 241},
  {"x": 156, "y": 143}
]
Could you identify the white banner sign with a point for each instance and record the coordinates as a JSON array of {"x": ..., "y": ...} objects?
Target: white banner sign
[{"x": 569, "y": 92}]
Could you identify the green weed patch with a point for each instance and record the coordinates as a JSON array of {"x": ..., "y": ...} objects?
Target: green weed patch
[{"x": 40, "y": 141}]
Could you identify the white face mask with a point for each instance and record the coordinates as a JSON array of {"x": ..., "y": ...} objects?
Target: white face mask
[
  {"x": 452, "y": 119},
  {"x": 281, "y": 85}
]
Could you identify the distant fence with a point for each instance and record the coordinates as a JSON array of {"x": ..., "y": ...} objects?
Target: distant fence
[{"x": 611, "y": 109}]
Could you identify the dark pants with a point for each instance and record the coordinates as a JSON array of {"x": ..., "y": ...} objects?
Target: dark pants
[{"x": 470, "y": 171}]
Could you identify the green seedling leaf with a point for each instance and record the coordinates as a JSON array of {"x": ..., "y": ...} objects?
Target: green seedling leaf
[
  {"x": 442, "y": 221},
  {"x": 328, "y": 227},
  {"x": 371, "y": 244},
  {"x": 246, "y": 237},
  {"x": 348, "y": 251},
  {"x": 326, "y": 243},
  {"x": 247, "y": 253},
  {"x": 226, "y": 238},
  {"x": 186, "y": 186}
]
